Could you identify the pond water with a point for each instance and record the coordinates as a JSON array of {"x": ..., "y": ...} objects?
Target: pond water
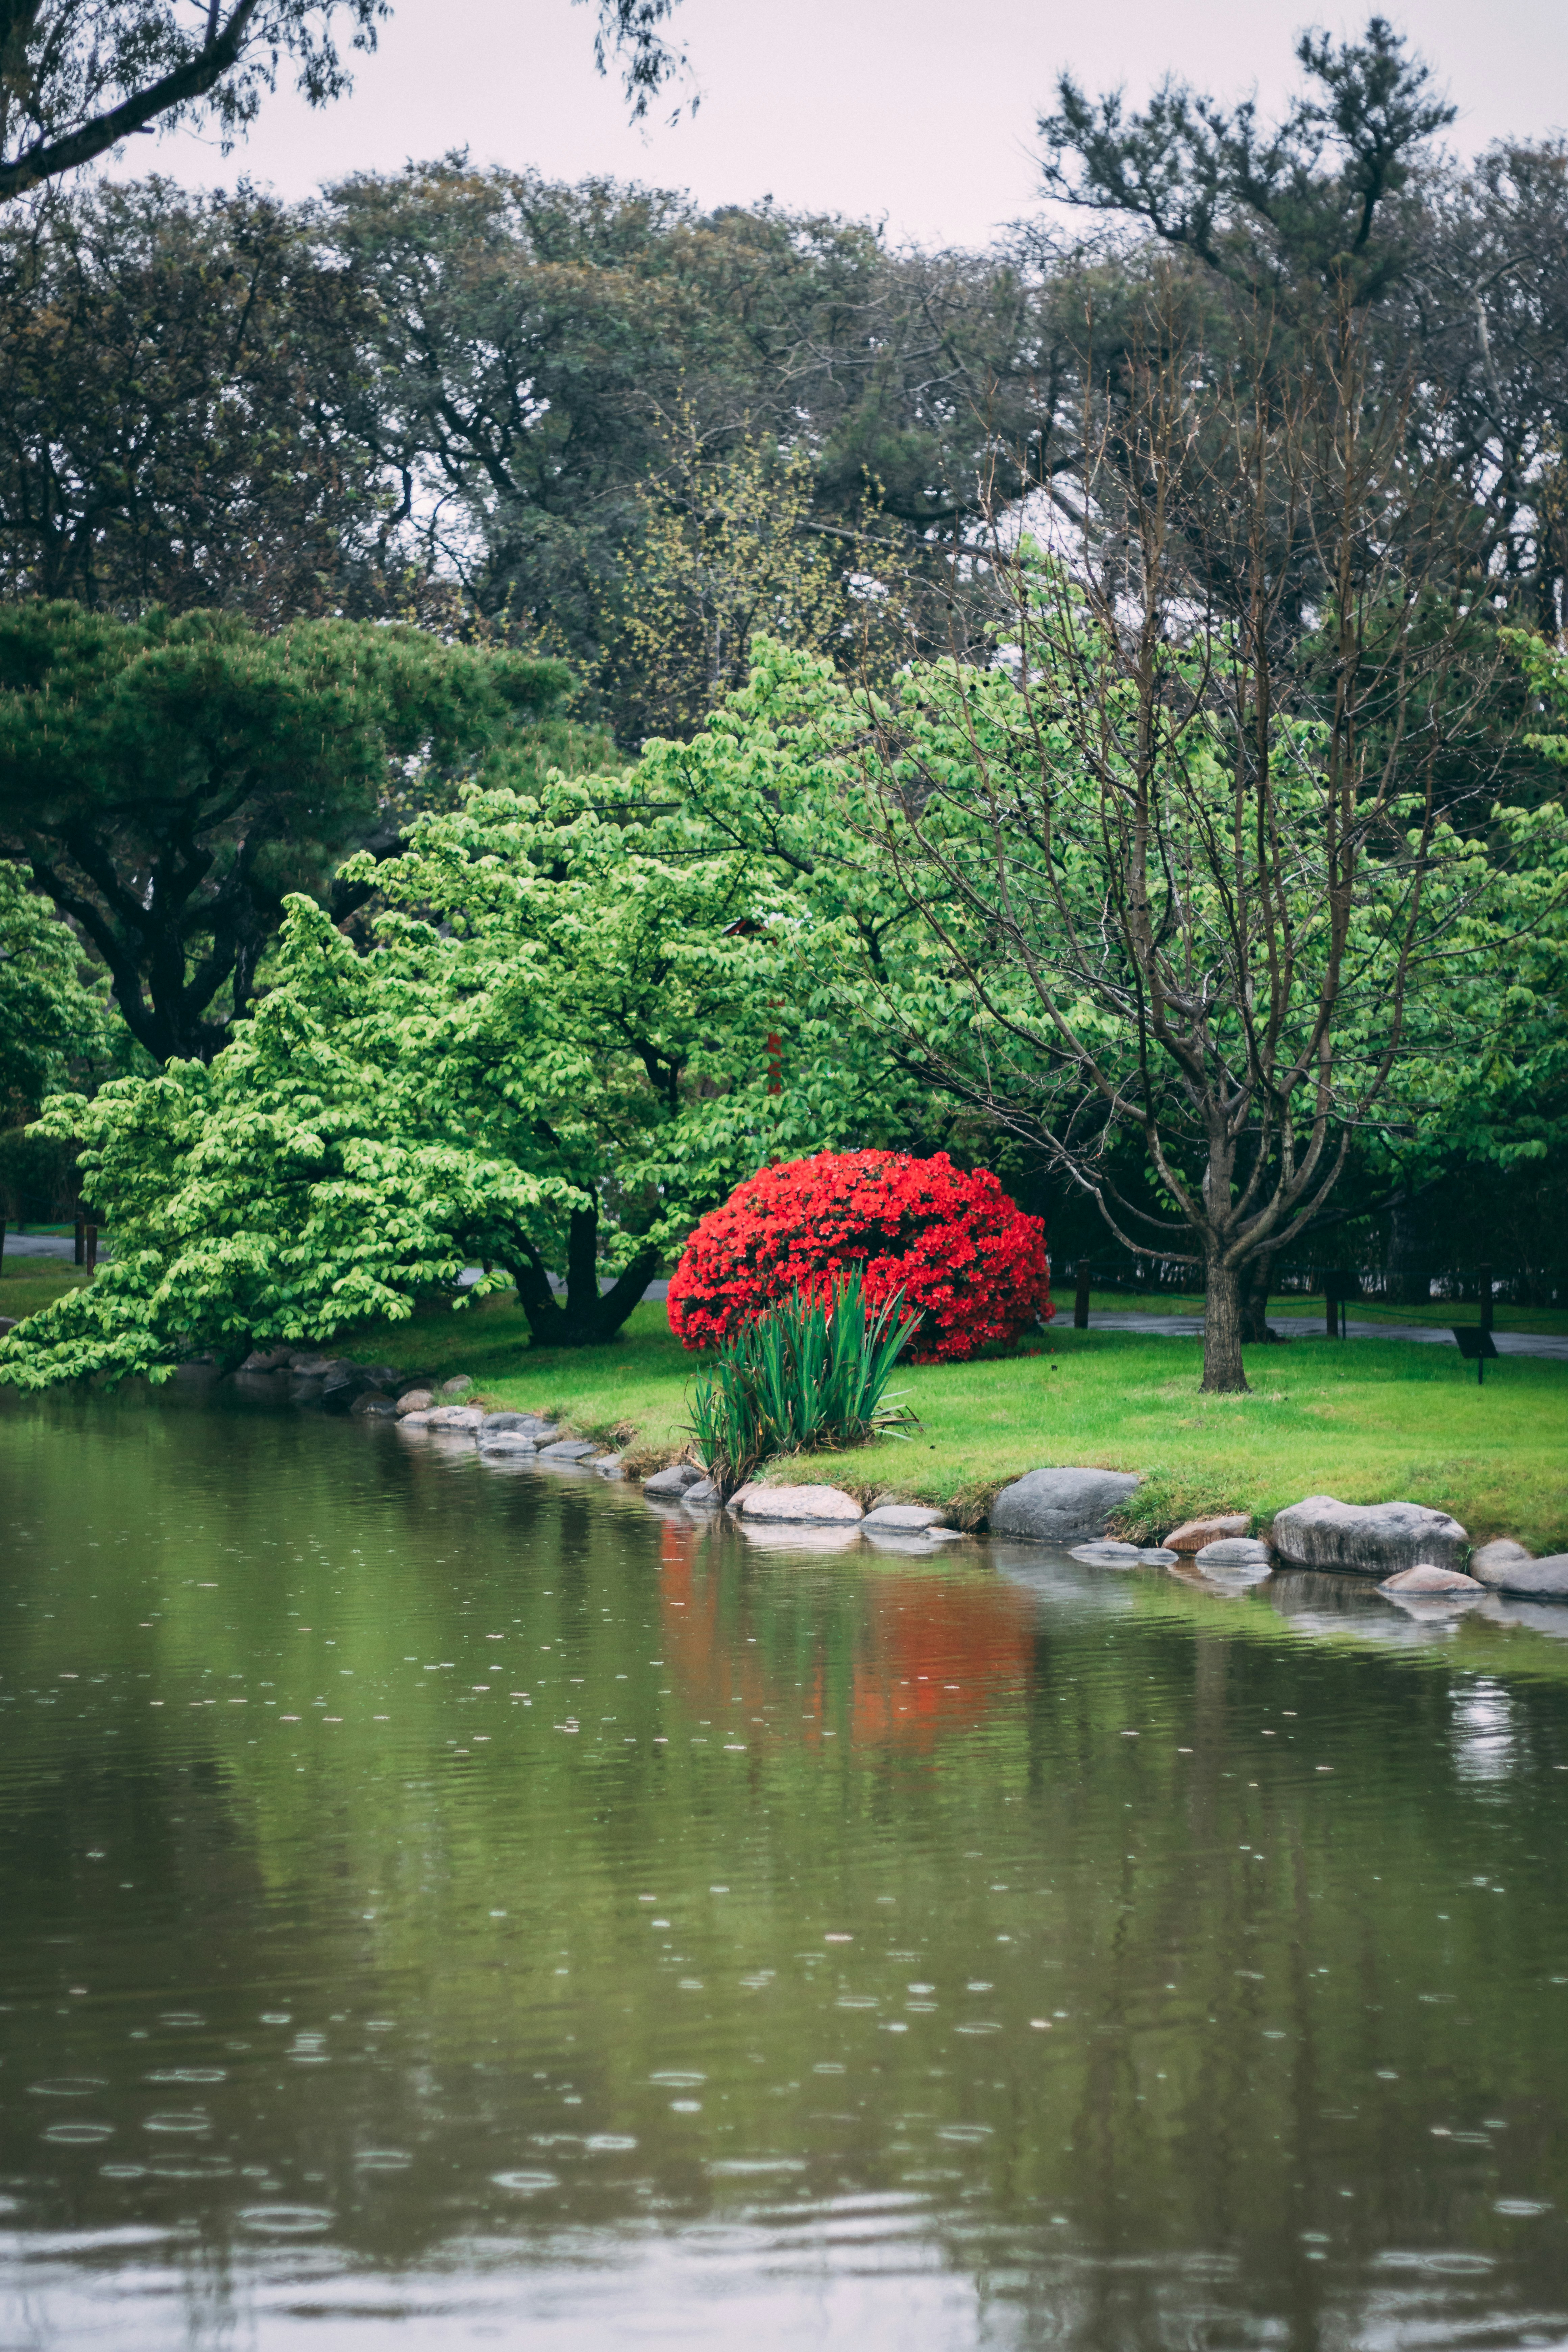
[{"x": 446, "y": 1906}]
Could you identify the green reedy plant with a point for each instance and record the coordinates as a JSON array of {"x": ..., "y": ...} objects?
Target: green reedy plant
[{"x": 809, "y": 1371}]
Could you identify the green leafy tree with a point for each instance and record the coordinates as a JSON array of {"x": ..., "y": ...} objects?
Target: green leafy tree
[
  {"x": 175, "y": 423},
  {"x": 1124, "y": 929},
  {"x": 529, "y": 343},
  {"x": 554, "y": 1057},
  {"x": 167, "y": 783}
]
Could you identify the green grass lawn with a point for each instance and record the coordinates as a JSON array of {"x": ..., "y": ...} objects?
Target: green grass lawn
[
  {"x": 1368, "y": 1421},
  {"x": 28, "y": 1283}
]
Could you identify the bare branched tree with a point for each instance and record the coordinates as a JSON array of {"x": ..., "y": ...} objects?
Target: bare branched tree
[{"x": 1185, "y": 854}]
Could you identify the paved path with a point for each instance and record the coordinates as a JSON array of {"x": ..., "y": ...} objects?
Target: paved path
[
  {"x": 46, "y": 1245},
  {"x": 1304, "y": 1327}
]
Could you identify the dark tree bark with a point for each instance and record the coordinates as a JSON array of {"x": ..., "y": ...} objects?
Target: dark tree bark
[{"x": 581, "y": 1316}]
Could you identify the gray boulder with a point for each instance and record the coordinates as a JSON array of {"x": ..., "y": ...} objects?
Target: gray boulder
[
  {"x": 1192, "y": 1534},
  {"x": 529, "y": 1423},
  {"x": 342, "y": 1385},
  {"x": 900, "y": 1519},
  {"x": 703, "y": 1496},
  {"x": 1493, "y": 1559},
  {"x": 671, "y": 1484},
  {"x": 1107, "y": 1554},
  {"x": 568, "y": 1449},
  {"x": 1230, "y": 1553},
  {"x": 1429, "y": 1579},
  {"x": 1060, "y": 1506},
  {"x": 368, "y": 1406},
  {"x": 1532, "y": 1580},
  {"x": 506, "y": 1440},
  {"x": 458, "y": 1386},
  {"x": 1368, "y": 1538},
  {"x": 416, "y": 1401},
  {"x": 266, "y": 1359},
  {"x": 465, "y": 1418},
  {"x": 800, "y": 1507}
]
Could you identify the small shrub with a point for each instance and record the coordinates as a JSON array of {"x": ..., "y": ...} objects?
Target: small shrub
[
  {"x": 969, "y": 1263},
  {"x": 810, "y": 1371}
]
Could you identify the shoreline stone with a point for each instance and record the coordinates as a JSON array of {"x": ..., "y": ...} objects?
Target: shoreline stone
[
  {"x": 804, "y": 1507},
  {"x": 670, "y": 1484},
  {"x": 465, "y": 1417},
  {"x": 1425, "y": 1578},
  {"x": 1531, "y": 1579},
  {"x": 1490, "y": 1561},
  {"x": 1367, "y": 1539},
  {"x": 1192, "y": 1534},
  {"x": 901, "y": 1519},
  {"x": 1060, "y": 1506},
  {"x": 1228, "y": 1553}
]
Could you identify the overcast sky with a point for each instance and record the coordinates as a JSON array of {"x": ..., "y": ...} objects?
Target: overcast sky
[{"x": 920, "y": 113}]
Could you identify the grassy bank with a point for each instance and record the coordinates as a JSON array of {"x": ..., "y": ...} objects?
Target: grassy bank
[
  {"x": 1367, "y": 1421},
  {"x": 28, "y": 1283}
]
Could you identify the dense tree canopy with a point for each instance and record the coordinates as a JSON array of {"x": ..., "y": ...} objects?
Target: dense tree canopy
[
  {"x": 168, "y": 781},
  {"x": 555, "y": 1058},
  {"x": 304, "y": 510}
]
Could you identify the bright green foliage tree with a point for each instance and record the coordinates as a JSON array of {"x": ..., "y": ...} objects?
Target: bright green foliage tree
[
  {"x": 1489, "y": 1077},
  {"x": 1060, "y": 915},
  {"x": 554, "y": 1057},
  {"x": 167, "y": 783}
]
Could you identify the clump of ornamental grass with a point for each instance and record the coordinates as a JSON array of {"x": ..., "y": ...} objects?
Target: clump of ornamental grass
[{"x": 811, "y": 1371}]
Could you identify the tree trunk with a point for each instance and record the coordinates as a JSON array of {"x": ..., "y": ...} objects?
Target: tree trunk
[
  {"x": 1222, "y": 1373},
  {"x": 581, "y": 1317}
]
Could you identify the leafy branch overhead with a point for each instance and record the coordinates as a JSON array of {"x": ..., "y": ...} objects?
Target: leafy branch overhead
[{"x": 78, "y": 76}]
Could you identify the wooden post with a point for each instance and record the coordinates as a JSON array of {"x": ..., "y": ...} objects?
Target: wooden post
[
  {"x": 1081, "y": 1303},
  {"x": 1486, "y": 1274},
  {"x": 80, "y": 1238},
  {"x": 91, "y": 1248}
]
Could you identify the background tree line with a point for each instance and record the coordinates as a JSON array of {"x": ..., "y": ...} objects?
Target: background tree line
[{"x": 598, "y": 425}]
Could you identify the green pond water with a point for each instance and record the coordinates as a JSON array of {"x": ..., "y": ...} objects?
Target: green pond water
[{"x": 441, "y": 1906}]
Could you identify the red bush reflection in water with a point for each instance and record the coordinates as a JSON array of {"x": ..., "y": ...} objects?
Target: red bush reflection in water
[{"x": 930, "y": 1652}]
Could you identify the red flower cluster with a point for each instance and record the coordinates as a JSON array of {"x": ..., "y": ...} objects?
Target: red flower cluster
[{"x": 962, "y": 1253}]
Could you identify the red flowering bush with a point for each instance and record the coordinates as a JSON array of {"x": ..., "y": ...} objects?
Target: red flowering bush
[{"x": 972, "y": 1263}]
